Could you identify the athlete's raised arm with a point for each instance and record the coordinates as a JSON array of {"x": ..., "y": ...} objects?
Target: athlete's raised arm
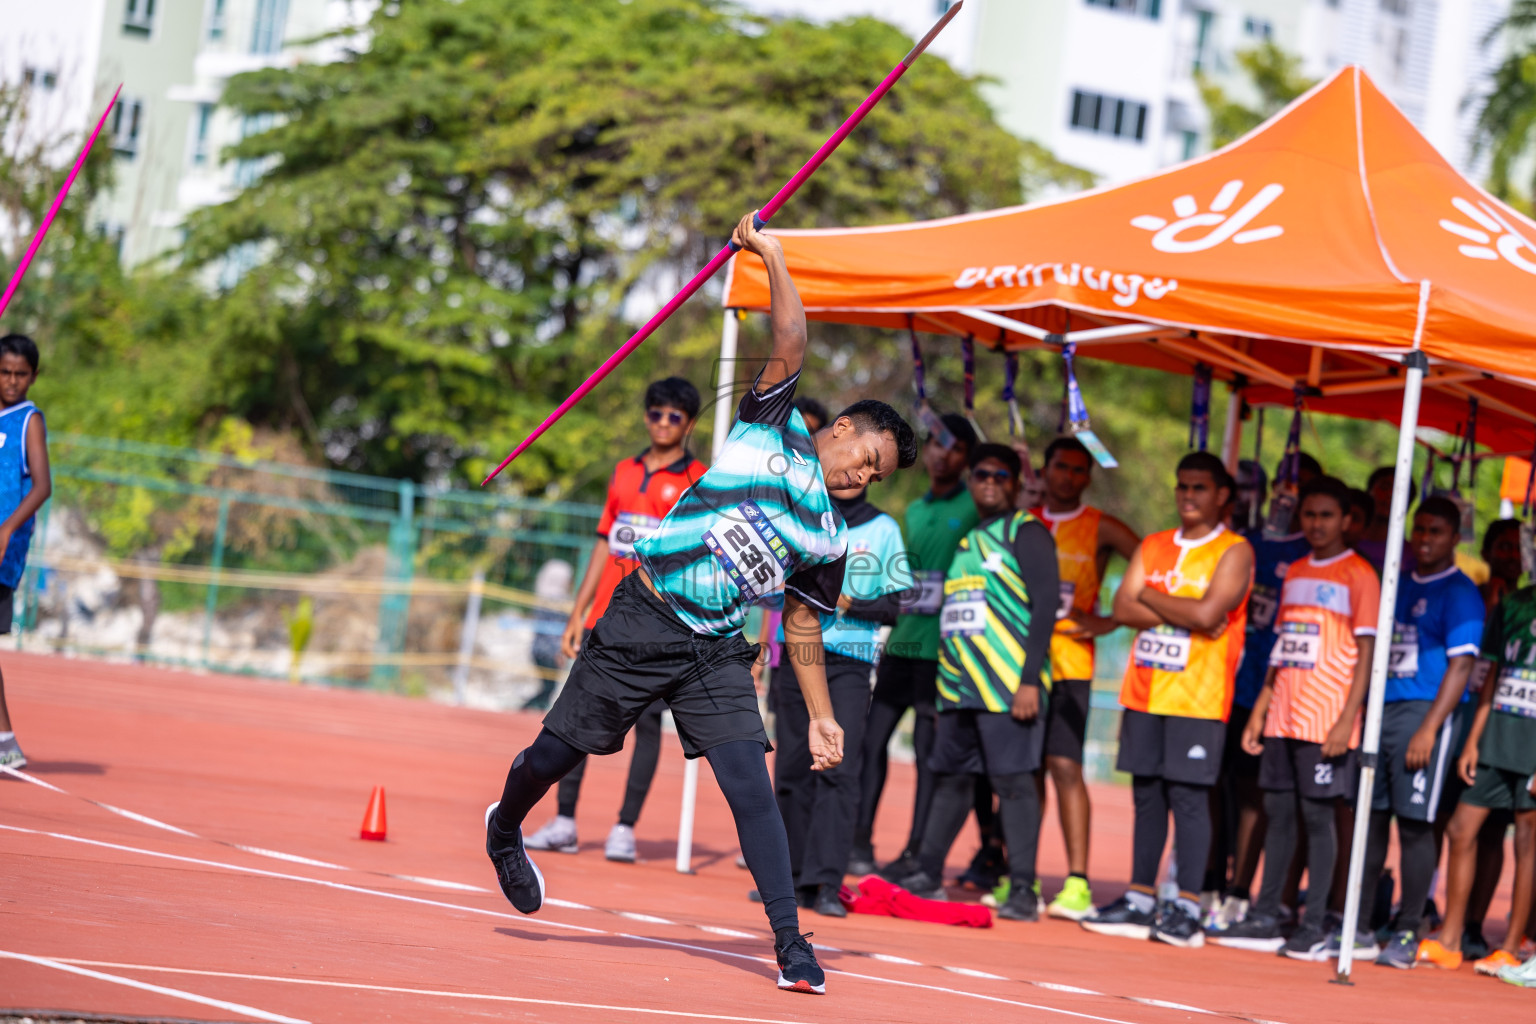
[
  {"x": 1207, "y": 614},
  {"x": 785, "y": 314}
]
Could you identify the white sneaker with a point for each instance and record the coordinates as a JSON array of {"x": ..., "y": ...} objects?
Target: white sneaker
[
  {"x": 557, "y": 834},
  {"x": 11, "y": 755},
  {"x": 1232, "y": 911},
  {"x": 621, "y": 844},
  {"x": 1210, "y": 903}
]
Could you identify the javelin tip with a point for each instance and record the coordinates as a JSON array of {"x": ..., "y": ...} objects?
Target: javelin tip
[{"x": 938, "y": 26}]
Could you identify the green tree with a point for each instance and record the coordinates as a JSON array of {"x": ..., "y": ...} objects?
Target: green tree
[
  {"x": 1275, "y": 79},
  {"x": 454, "y": 225},
  {"x": 1506, "y": 122}
]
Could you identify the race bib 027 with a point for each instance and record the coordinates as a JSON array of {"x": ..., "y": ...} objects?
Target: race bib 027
[
  {"x": 1403, "y": 655},
  {"x": 629, "y": 529},
  {"x": 964, "y": 614},
  {"x": 1165, "y": 648},
  {"x": 750, "y": 551},
  {"x": 1297, "y": 646},
  {"x": 1516, "y": 694}
]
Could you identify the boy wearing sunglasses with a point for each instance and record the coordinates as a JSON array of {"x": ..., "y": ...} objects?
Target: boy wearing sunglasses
[
  {"x": 1000, "y": 598},
  {"x": 641, "y": 492}
]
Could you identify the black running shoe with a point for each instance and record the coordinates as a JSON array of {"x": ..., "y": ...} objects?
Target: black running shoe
[
  {"x": 904, "y": 866},
  {"x": 798, "y": 969},
  {"x": 827, "y": 902},
  {"x": 1178, "y": 927},
  {"x": 1473, "y": 945},
  {"x": 1308, "y": 942},
  {"x": 1401, "y": 951},
  {"x": 1257, "y": 932},
  {"x": 1121, "y": 918},
  {"x": 1022, "y": 905},
  {"x": 862, "y": 862},
  {"x": 521, "y": 881},
  {"x": 925, "y": 885}
]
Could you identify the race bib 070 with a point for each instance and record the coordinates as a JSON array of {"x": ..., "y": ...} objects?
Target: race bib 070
[
  {"x": 1263, "y": 602},
  {"x": 930, "y": 592},
  {"x": 629, "y": 529},
  {"x": 1165, "y": 647},
  {"x": 1297, "y": 646},
  {"x": 1403, "y": 655},
  {"x": 964, "y": 614},
  {"x": 750, "y": 551},
  {"x": 1516, "y": 694}
]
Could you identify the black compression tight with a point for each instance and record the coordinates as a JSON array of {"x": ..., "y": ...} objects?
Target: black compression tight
[
  {"x": 742, "y": 772},
  {"x": 1154, "y": 797},
  {"x": 1280, "y": 848},
  {"x": 1416, "y": 857},
  {"x": 533, "y": 771}
]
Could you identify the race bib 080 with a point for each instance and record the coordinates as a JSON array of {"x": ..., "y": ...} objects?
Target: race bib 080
[
  {"x": 629, "y": 529},
  {"x": 1403, "y": 655},
  {"x": 750, "y": 550},
  {"x": 1516, "y": 694},
  {"x": 1165, "y": 647},
  {"x": 930, "y": 592},
  {"x": 964, "y": 614},
  {"x": 1297, "y": 645}
]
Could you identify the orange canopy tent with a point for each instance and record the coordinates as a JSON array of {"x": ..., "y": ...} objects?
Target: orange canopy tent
[
  {"x": 1315, "y": 251},
  {"x": 1332, "y": 249}
]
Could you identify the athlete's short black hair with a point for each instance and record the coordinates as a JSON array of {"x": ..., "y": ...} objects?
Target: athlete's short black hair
[
  {"x": 1328, "y": 487},
  {"x": 1441, "y": 507},
  {"x": 1389, "y": 472},
  {"x": 872, "y": 414},
  {"x": 1001, "y": 452},
  {"x": 20, "y": 345},
  {"x": 1497, "y": 529},
  {"x": 962, "y": 431},
  {"x": 808, "y": 406},
  {"x": 1066, "y": 444},
  {"x": 1205, "y": 462},
  {"x": 1363, "y": 501},
  {"x": 1305, "y": 465},
  {"x": 1251, "y": 476},
  {"x": 673, "y": 393}
]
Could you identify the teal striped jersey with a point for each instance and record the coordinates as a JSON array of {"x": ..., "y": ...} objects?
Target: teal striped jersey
[{"x": 757, "y": 524}]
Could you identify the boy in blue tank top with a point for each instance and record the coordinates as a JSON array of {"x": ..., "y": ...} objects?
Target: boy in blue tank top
[{"x": 24, "y": 485}]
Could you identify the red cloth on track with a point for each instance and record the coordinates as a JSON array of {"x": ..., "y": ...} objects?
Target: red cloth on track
[{"x": 874, "y": 895}]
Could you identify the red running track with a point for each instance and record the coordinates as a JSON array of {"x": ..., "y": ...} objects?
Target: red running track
[{"x": 164, "y": 924}]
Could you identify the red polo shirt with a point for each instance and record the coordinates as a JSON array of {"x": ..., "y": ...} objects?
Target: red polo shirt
[{"x": 638, "y": 500}]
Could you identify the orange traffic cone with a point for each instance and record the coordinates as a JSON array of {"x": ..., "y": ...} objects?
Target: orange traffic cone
[{"x": 373, "y": 818}]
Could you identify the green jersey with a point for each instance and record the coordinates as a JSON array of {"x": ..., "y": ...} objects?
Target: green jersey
[
  {"x": 1509, "y": 642},
  {"x": 985, "y": 635},
  {"x": 933, "y": 530}
]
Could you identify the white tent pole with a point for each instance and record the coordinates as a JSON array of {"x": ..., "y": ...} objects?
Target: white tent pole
[
  {"x": 1232, "y": 436},
  {"x": 1370, "y": 742},
  {"x": 724, "y": 391}
]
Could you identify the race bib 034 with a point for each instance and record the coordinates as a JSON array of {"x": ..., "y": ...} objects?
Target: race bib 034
[
  {"x": 1297, "y": 645},
  {"x": 1165, "y": 647},
  {"x": 1516, "y": 694}
]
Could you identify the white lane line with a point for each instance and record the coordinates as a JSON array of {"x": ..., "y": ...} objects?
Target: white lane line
[
  {"x": 1056, "y": 986},
  {"x": 24, "y": 777},
  {"x": 457, "y": 886},
  {"x": 291, "y": 858},
  {"x": 435, "y": 993},
  {"x": 889, "y": 981},
  {"x": 344, "y": 887},
  {"x": 146, "y": 820},
  {"x": 567, "y": 904},
  {"x": 971, "y": 972},
  {"x": 174, "y": 993},
  {"x": 1165, "y": 1004},
  {"x": 891, "y": 958},
  {"x": 714, "y": 929},
  {"x": 643, "y": 918}
]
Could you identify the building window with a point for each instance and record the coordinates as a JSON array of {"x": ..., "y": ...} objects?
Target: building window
[
  {"x": 37, "y": 78},
  {"x": 267, "y": 30},
  {"x": 1145, "y": 8},
  {"x": 1203, "y": 21},
  {"x": 202, "y": 118},
  {"x": 1258, "y": 28},
  {"x": 127, "y": 123},
  {"x": 1107, "y": 115},
  {"x": 216, "y": 19},
  {"x": 138, "y": 17},
  {"x": 1397, "y": 7}
]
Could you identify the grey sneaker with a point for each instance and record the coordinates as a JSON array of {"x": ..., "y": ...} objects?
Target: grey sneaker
[
  {"x": 620, "y": 845},
  {"x": 1401, "y": 951},
  {"x": 11, "y": 755},
  {"x": 1308, "y": 942},
  {"x": 557, "y": 834},
  {"x": 1366, "y": 946}
]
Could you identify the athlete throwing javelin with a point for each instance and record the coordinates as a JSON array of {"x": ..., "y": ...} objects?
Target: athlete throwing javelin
[{"x": 759, "y": 522}]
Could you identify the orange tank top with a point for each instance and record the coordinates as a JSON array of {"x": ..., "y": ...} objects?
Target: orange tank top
[
  {"x": 1171, "y": 671},
  {"x": 1077, "y": 559}
]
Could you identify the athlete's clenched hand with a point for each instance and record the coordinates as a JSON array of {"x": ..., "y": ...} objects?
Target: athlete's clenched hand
[
  {"x": 826, "y": 742},
  {"x": 1026, "y": 703}
]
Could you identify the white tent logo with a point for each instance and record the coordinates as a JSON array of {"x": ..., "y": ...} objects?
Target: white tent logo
[
  {"x": 1222, "y": 227},
  {"x": 1494, "y": 236}
]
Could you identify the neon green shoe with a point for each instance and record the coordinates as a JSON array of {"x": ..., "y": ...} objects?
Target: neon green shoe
[
  {"x": 999, "y": 895},
  {"x": 1074, "y": 902}
]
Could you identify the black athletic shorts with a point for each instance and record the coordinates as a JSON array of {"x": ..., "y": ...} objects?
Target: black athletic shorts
[
  {"x": 1066, "y": 727},
  {"x": 1289, "y": 765},
  {"x": 639, "y": 652},
  {"x": 988, "y": 742},
  {"x": 1500, "y": 789},
  {"x": 1237, "y": 762},
  {"x": 1414, "y": 795},
  {"x": 1171, "y": 747},
  {"x": 907, "y": 682}
]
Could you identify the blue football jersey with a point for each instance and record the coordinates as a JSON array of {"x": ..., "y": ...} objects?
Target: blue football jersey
[{"x": 1438, "y": 618}]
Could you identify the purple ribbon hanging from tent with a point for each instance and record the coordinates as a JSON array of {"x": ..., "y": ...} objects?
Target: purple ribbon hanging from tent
[
  {"x": 1010, "y": 378},
  {"x": 925, "y": 414},
  {"x": 1290, "y": 463},
  {"x": 968, "y": 356},
  {"x": 1200, "y": 407}
]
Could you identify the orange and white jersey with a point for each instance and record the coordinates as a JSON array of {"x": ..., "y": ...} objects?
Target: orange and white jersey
[
  {"x": 1171, "y": 671},
  {"x": 1077, "y": 560},
  {"x": 1324, "y": 606}
]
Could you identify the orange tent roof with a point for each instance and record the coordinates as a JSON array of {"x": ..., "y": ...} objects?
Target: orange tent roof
[{"x": 1314, "y": 251}]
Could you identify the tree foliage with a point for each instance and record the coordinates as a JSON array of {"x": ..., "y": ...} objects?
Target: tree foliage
[
  {"x": 1506, "y": 121},
  {"x": 1275, "y": 79}
]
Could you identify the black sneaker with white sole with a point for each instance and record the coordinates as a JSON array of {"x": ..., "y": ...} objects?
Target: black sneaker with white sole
[
  {"x": 1257, "y": 932},
  {"x": 1121, "y": 918},
  {"x": 521, "y": 881},
  {"x": 925, "y": 885},
  {"x": 1178, "y": 927},
  {"x": 798, "y": 969},
  {"x": 1308, "y": 942}
]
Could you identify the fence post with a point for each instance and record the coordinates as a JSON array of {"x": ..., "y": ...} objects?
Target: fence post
[
  {"x": 395, "y": 608},
  {"x": 213, "y": 583},
  {"x": 467, "y": 636}
]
